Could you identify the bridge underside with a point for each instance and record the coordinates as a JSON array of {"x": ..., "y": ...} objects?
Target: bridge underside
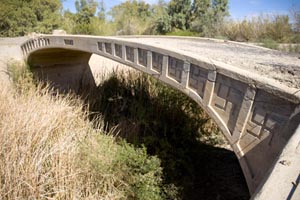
[{"x": 65, "y": 70}]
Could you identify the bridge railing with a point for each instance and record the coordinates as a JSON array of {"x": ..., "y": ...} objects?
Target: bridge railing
[{"x": 34, "y": 44}]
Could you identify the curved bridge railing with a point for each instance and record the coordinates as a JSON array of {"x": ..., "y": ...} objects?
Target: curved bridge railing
[{"x": 257, "y": 115}]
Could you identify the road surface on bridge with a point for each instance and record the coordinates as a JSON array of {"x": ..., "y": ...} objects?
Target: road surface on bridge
[{"x": 280, "y": 66}]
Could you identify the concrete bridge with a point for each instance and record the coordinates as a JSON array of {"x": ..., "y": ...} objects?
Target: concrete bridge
[{"x": 250, "y": 92}]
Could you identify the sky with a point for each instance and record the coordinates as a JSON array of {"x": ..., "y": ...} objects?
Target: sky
[{"x": 239, "y": 9}]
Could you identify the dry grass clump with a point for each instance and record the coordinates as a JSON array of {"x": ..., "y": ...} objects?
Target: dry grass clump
[
  {"x": 39, "y": 136},
  {"x": 49, "y": 150},
  {"x": 257, "y": 29}
]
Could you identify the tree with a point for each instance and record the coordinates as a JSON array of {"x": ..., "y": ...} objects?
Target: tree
[
  {"x": 220, "y": 11},
  {"x": 295, "y": 14},
  {"x": 179, "y": 11},
  {"x": 48, "y": 15},
  {"x": 101, "y": 13},
  {"x": 162, "y": 20},
  {"x": 200, "y": 8},
  {"x": 131, "y": 17},
  {"x": 201, "y": 15},
  {"x": 279, "y": 29},
  {"x": 208, "y": 16},
  {"x": 86, "y": 10},
  {"x": 19, "y": 17}
]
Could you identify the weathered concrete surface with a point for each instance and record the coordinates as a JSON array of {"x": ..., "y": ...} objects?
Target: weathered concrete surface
[
  {"x": 257, "y": 114},
  {"x": 9, "y": 51},
  {"x": 285, "y": 174},
  {"x": 65, "y": 69},
  {"x": 278, "y": 65}
]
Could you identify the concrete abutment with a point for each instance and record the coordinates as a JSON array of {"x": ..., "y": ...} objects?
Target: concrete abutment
[{"x": 65, "y": 70}]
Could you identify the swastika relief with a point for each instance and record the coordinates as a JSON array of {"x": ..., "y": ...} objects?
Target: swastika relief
[
  {"x": 267, "y": 119},
  {"x": 227, "y": 99},
  {"x": 175, "y": 68},
  {"x": 129, "y": 53},
  {"x": 157, "y": 61},
  {"x": 118, "y": 50},
  {"x": 142, "y": 55},
  {"x": 108, "y": 48},
  {"x": 197, "y": 79},
  {"x": 262, "y": 123}
]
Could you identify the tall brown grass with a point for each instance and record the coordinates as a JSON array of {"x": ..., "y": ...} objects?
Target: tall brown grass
[
  {"x": 256, "y": 29},
  {"x": 50, "y": 150},
  {"x": 40, "y": 135}
]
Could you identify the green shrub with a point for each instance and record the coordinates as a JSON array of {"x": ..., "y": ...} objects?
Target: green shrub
[
  {"x": 231, "y": 30},
  {"x": 179, "y": 32},
  {"x": 129, "y": 170},
  {"x": 166, "y": 121},
  {"x": 275, "y": 27},
  {"x": 294, "y": 48},
  {"x": 270, "y": 43},
  {"x": 295, "y": 38}
]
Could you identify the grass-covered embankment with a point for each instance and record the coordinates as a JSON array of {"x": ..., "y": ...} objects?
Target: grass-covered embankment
[{"x": 50, "y": 150}]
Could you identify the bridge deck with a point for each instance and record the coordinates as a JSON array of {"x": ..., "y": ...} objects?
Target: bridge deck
[{"x": 280, "y": 66}]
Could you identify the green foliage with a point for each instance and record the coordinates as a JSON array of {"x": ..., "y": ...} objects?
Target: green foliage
[
  {"x": 16, "y": 18},
  {"x": 69, "y": 21},
  {"x": 20, "y": 17},
  {"x": 166, "y": 121},
  {"x": 295, "y": 38},
  {"x": 274, "y": 27},
  {"x": 86, "y": 10},
  {"x": 131, "y": 17},
  {"x": 48, "y": 15},
  {"x": 294, "y": 48},
  {"x": 171, "y": 126},
  {"x": 101, "y": 13},
  {"x": 182, "y": 33},
  {"x": 270, "y": 43},
  {"x": 162, "y": 20},
  {"x": 279, "y": 29},
  {"x": 295, "y": 14},
  {"x": 135, "y": 174},
  {"x": 179, "y": 11}
]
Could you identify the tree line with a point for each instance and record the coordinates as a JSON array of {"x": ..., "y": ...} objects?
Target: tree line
[
  {"x": 209, "y": 18},
  {"x": 138, "y": 17}
]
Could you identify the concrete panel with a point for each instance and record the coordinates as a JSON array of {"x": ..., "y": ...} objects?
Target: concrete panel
[
  {"x": 157, "y": 62},
  {"x": 227, "y": 100},
  {"x": 175, "y": 68},
  {"x": 268, "y": 129},
  {"x": 198, "y": 78},
  {"x": 142, "y": 57}
]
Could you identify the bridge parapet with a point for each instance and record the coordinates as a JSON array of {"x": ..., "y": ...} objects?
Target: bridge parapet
[
  {"x": 257, "y": 115},
  {"x": 32, "y": 44}
]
